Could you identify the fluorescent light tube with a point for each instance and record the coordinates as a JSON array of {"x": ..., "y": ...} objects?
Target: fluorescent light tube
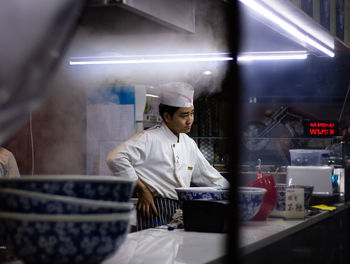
[
  {"x": 141, "y": 59},
  {"x": 278, "y": 55},
  {"x": 271, "y": 57}
]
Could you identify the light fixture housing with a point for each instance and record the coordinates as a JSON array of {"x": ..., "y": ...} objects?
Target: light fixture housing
[{"x": 276, "y": 13}]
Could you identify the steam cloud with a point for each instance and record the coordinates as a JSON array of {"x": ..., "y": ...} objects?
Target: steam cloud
[
  {"x": 123, "y": 33},
  {"x": 117, "y": 32}
]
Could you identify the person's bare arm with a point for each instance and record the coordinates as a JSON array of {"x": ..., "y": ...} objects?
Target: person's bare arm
[{"x": 145, "y": 199}]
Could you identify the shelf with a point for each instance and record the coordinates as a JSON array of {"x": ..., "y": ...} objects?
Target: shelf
[
  {"x": 198, "y": 137},
  {"x": 320, "y": 138}
]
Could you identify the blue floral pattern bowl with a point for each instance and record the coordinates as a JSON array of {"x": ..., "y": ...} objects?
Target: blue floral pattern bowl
[
  {"x": 110, "y": 188},
  {"x": 202, "y": 193},
  {"x": 64, "y": 239},
  {"x": 20, "y": 201},
  {"x": 250, "y": 200}
]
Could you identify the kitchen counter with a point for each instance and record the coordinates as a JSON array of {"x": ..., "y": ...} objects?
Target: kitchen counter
[
  {"x": 158, "y": 245},
  {"x": 257, "y": 234},
  {"x": 297, "y": 240},
  {"x": 257, "y": 239}
]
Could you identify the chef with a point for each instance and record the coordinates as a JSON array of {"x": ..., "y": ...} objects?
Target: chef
[{"x": 163, "y": 158}]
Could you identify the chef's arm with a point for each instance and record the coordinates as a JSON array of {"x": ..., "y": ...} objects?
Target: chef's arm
[
  {"x": 120, "y": 166},
  {"x": 12, "y": 165},
  {"x": 205, "y": 174},
  {"x": 122, "y": 159},
  {"x": 145, "y": 199}
]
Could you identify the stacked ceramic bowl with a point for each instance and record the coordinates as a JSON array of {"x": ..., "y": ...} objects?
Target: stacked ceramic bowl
[
  {"x": 202, "y": 193},
  {"x": 250, "y": 200},
  {"x": 66, "y": 218}
]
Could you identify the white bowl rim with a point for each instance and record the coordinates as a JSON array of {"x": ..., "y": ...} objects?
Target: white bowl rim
[
  {"x": 70, "y": 177},
  {"x": 67, "y": 217},
  {"x": 203, "y": 189},
  {"x": 68, "y": 199},
  {"x": 252, "y": 189}
]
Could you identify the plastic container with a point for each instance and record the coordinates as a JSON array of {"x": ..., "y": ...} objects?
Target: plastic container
[{"x": 309, "y": 157}]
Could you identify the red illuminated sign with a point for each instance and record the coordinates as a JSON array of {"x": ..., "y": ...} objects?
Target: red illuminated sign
[{"x": 321, "y": 128}]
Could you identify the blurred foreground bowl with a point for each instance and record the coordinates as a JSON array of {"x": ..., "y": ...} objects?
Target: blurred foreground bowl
[
  {"x": 64, "y": 239},
  {"x": 109, "y": 188},
  {"x": 202, "y": 193},
  {"x": 250, "y": 200},
  {"x": 270, "y": 198},
  {"x": 13, "y": 200}
]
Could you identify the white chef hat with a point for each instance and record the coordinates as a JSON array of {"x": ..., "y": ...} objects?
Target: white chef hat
[{"x": 177, "y": 94}]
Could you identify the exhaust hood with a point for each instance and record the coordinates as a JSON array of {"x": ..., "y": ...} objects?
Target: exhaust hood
[
  {"x": 178, "y": 15},
  {"x": 151, "y": 30}
]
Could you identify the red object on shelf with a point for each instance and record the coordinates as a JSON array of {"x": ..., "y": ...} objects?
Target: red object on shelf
[
  {"x": 259, "y": 175},
  {"x": 270, "y": 198}
]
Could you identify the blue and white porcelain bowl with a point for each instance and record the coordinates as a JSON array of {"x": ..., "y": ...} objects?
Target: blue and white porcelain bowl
[
  {"x": 13, "y": 200},
  {"x": 64, "y": 239},
  {"x": 250, "y": 200},
  {"x": 202, "y": 193},
  {"x": 110, "y": 188}
]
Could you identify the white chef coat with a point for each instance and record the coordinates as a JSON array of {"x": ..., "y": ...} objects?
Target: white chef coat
[
  {"x": 8, "y": 164},
  {"x": 163, "y": 162}
]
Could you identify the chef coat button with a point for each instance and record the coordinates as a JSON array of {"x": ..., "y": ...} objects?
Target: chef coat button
[{"x": 174, "y": 145}]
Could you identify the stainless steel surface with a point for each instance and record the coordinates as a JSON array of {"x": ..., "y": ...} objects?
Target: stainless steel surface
[
  {"x": 318, "y": 176},
  {"x": 179, "y": 14}
]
